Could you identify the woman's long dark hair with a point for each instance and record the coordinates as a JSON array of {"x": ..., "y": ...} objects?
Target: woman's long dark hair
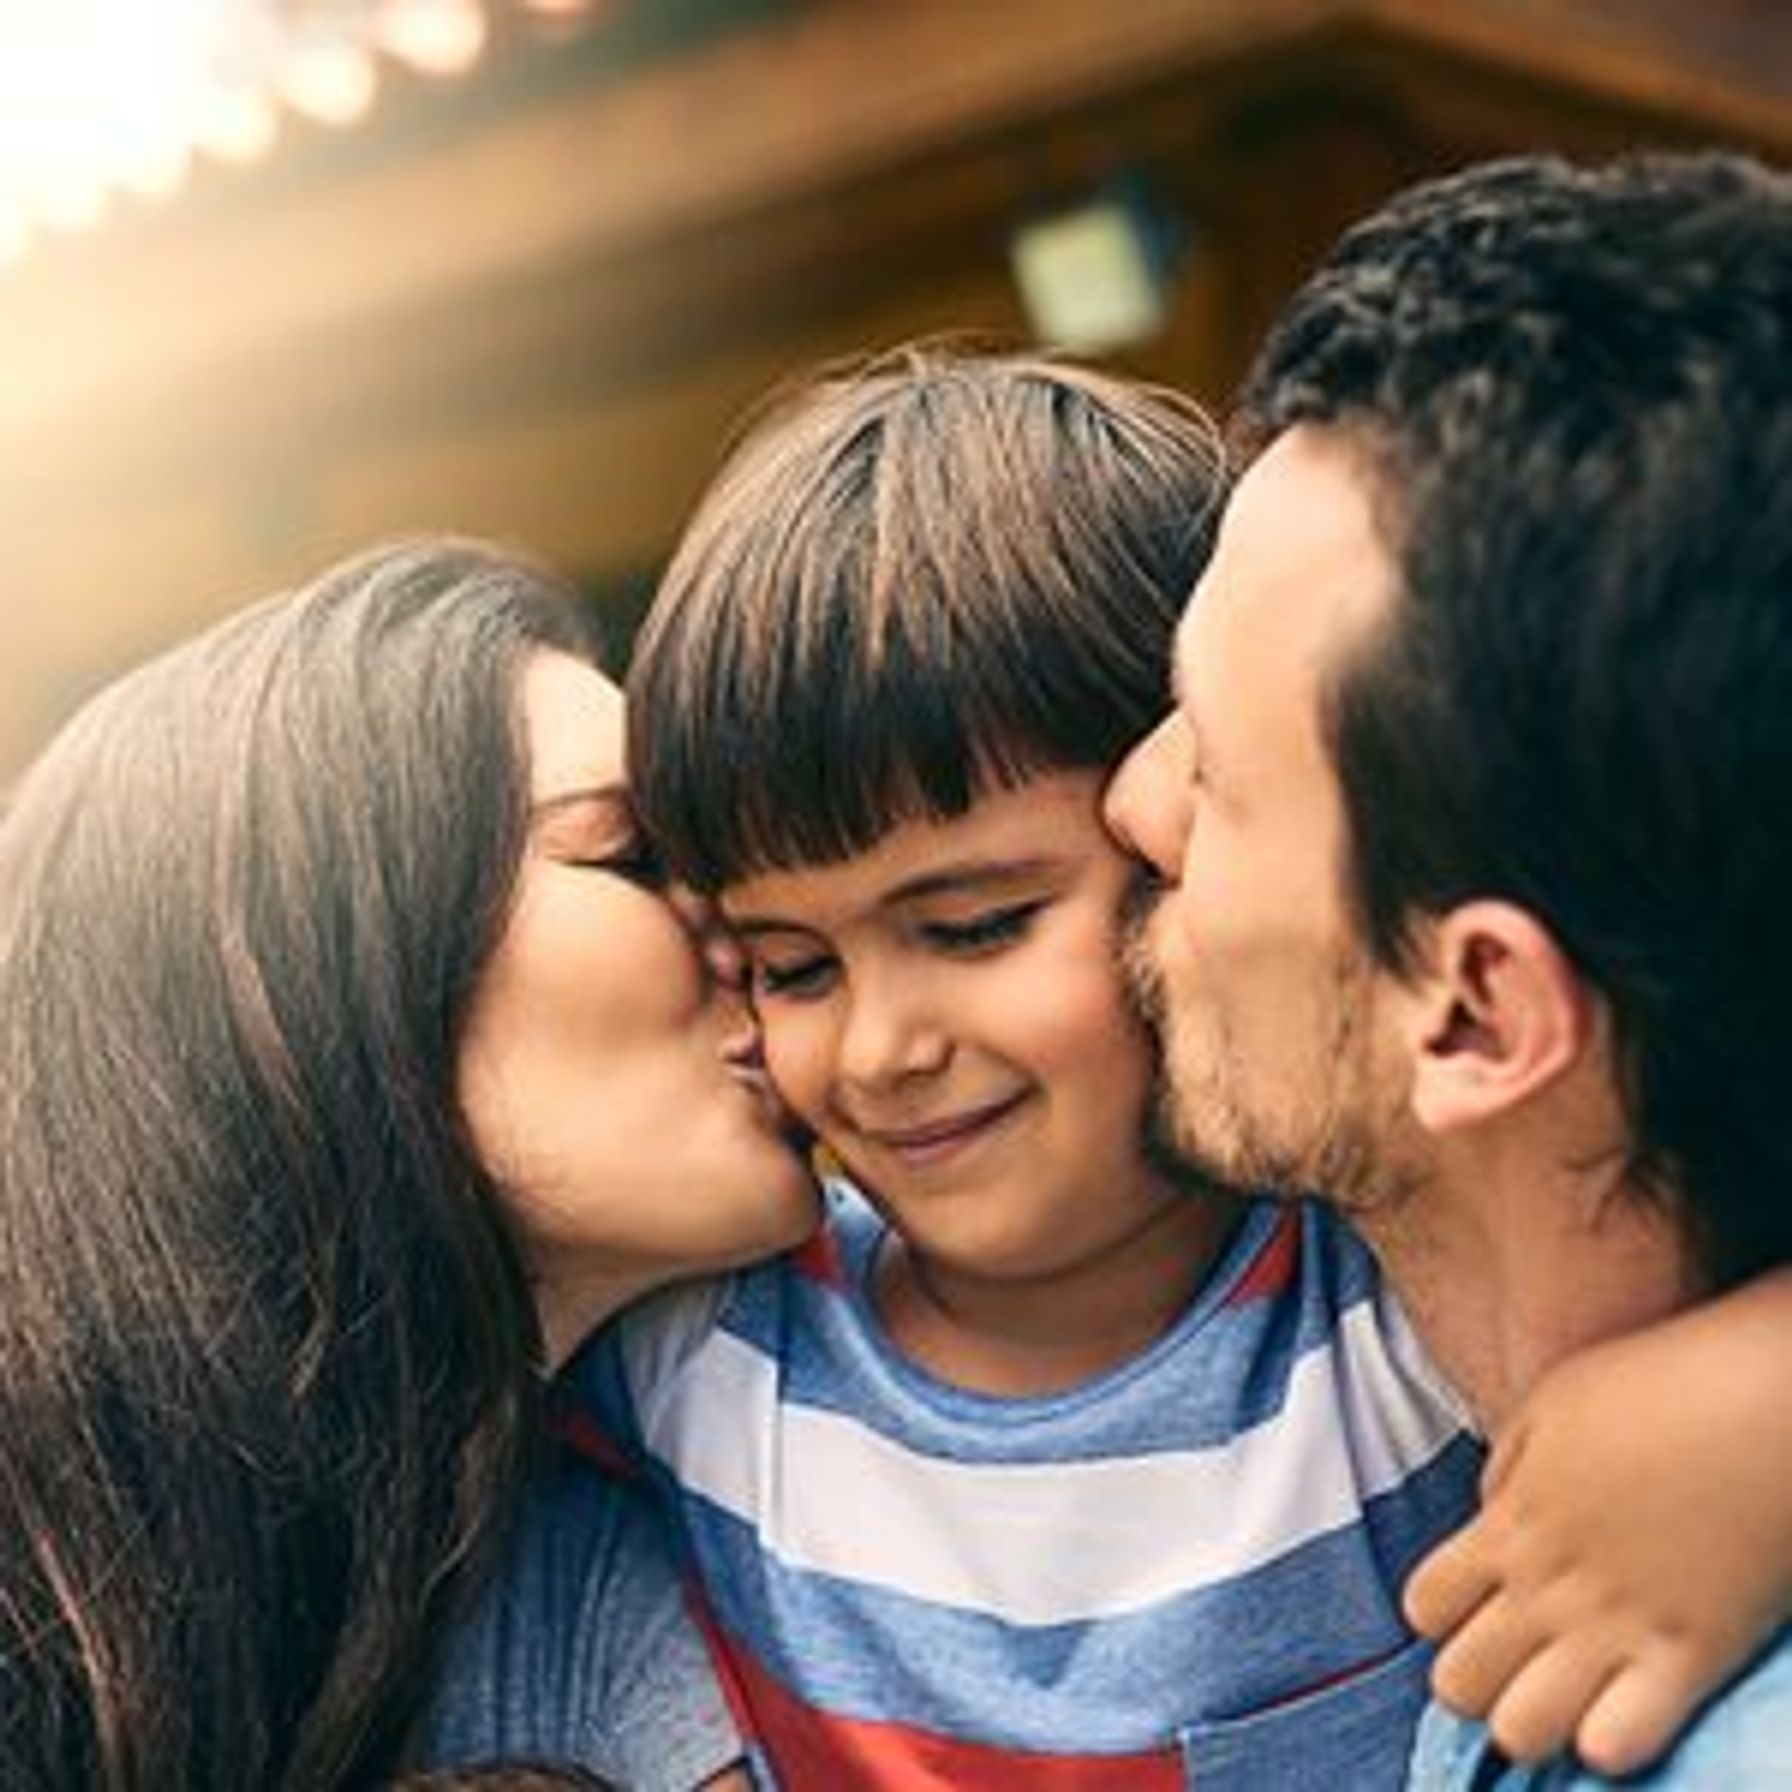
[{"x": 264, "y": 1338}]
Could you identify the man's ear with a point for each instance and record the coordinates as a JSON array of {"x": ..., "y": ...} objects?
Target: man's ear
[{"x": 1497, "y": 1014}]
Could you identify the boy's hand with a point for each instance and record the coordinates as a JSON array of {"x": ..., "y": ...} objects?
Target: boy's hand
[{"x": 1635, "y": 1542}]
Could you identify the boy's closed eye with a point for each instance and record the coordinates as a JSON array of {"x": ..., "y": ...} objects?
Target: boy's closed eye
[
  {"x": 809, "y": 975},
  {"x": 804, "y": 978},
  {"x": 986, "y": 931}
]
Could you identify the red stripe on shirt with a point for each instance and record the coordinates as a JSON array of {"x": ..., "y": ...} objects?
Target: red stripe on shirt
[
  {"x": 812, "y": 1749},
  {"x": 1274, "y": 1268},
  {"x": 818, "y": 1258},
  {"x": 575, "y": 1428}
]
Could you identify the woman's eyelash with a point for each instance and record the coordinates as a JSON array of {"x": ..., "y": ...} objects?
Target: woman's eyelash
[{"x": 638, "y": 859}]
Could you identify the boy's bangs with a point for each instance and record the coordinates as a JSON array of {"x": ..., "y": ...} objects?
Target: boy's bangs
[
  {"x": 813, "y": 766},
  {"x": 914, "y": 587}
]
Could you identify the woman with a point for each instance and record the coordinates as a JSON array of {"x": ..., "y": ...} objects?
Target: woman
[{"x": 351, "y": 1066}]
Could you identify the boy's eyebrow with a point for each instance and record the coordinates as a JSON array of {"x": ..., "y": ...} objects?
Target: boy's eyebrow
[
  {"x": 975, "y": 875},
  {"x": 945, "y": 880}
]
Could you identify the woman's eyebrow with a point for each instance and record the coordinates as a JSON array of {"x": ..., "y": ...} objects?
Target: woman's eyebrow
[{"x": 547, "y": 807}]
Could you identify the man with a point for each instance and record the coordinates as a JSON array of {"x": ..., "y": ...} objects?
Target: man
[{"x": 1474, "y": 815}]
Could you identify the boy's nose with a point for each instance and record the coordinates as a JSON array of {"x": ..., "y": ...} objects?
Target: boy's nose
[
  {"x": 1146, "y": 805},
  {"x": 889, "y": 1040}
]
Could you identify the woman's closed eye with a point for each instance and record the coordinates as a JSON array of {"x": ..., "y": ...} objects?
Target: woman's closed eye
[
  {"x": 988, "y": 931},
  {"x": 596, "y": 830},
  {"x": 635, "y": 858}
]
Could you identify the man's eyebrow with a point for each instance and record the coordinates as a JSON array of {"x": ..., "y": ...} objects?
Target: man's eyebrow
[
  {"x": 1179, "y": 692},
  {"x": 1183, "y": 698},
  {"x": 1183, "y": 704}
]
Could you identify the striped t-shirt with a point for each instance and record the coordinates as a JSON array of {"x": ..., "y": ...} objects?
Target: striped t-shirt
[{"x": 1184, "y": 1572}]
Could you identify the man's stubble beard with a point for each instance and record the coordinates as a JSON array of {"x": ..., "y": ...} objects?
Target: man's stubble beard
[
  {"x": 1160, "y": 1140},
  {"x": 1353, "y": 1144}
]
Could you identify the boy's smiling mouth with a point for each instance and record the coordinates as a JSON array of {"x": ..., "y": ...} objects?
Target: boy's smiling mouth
[{"x": 922, "y": 1146}]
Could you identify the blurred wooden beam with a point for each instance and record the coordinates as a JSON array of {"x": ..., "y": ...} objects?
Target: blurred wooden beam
[
  {"x": 754, "y": 123},
  {"x": 140, "y": 322}
]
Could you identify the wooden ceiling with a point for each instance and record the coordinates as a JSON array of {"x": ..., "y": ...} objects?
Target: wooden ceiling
[{"x": 532, "y": 305}]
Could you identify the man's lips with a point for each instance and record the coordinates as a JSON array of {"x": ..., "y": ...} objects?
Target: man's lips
[{"x": 939, "y": 1138}]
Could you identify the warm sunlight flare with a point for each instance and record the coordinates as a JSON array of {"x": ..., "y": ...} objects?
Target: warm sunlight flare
[{"x": 100, "y": 98}]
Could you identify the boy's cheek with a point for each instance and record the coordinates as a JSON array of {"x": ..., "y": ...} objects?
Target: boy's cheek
[{"x": 791, "y": 1063}]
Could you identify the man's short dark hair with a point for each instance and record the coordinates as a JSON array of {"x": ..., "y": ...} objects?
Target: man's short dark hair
[
  {"x": 1573, "y": 390},
  {"x": 934, "y": 576}
]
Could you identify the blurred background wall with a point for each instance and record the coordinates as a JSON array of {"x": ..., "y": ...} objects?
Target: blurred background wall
[{"x": 522, "y": 281}]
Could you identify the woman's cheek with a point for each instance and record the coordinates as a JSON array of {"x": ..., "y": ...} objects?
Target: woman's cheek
[{"x": 646, "y": 957}]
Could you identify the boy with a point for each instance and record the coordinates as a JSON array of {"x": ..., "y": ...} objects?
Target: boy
[{"x": 1037, "y": 1468}]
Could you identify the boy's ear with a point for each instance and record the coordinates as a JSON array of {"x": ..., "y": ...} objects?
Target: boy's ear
[{"x": 1495, "y": 1015}]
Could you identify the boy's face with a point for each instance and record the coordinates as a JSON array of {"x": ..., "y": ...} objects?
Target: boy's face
[{"x": 946, "y": 1013}]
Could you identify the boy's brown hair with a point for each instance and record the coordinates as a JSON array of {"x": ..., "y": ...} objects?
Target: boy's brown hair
[{"x": 940, "y": 573}]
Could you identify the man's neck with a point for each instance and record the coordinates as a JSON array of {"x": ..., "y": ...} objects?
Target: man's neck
[{"x": 1517, "y": 1253}]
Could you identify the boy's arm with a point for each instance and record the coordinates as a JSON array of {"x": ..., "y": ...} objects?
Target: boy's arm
[{"x": 1634, "y": 1546}]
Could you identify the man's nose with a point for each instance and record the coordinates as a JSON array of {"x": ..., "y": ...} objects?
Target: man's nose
[{"x": 1147, "y": 803}]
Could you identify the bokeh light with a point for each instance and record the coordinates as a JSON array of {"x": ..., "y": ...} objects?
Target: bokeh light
[{"x": 106, "y": 97}]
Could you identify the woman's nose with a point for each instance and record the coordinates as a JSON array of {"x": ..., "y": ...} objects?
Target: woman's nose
[{"x": 722, "y": 955}]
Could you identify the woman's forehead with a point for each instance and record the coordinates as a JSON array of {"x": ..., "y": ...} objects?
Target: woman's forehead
[{"x": 574, "y": 717}]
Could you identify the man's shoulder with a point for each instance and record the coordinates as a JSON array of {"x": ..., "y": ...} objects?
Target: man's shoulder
[
  {"x": 1743, "y": 1737},
  {"x": 1741, "y": 1740}
]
